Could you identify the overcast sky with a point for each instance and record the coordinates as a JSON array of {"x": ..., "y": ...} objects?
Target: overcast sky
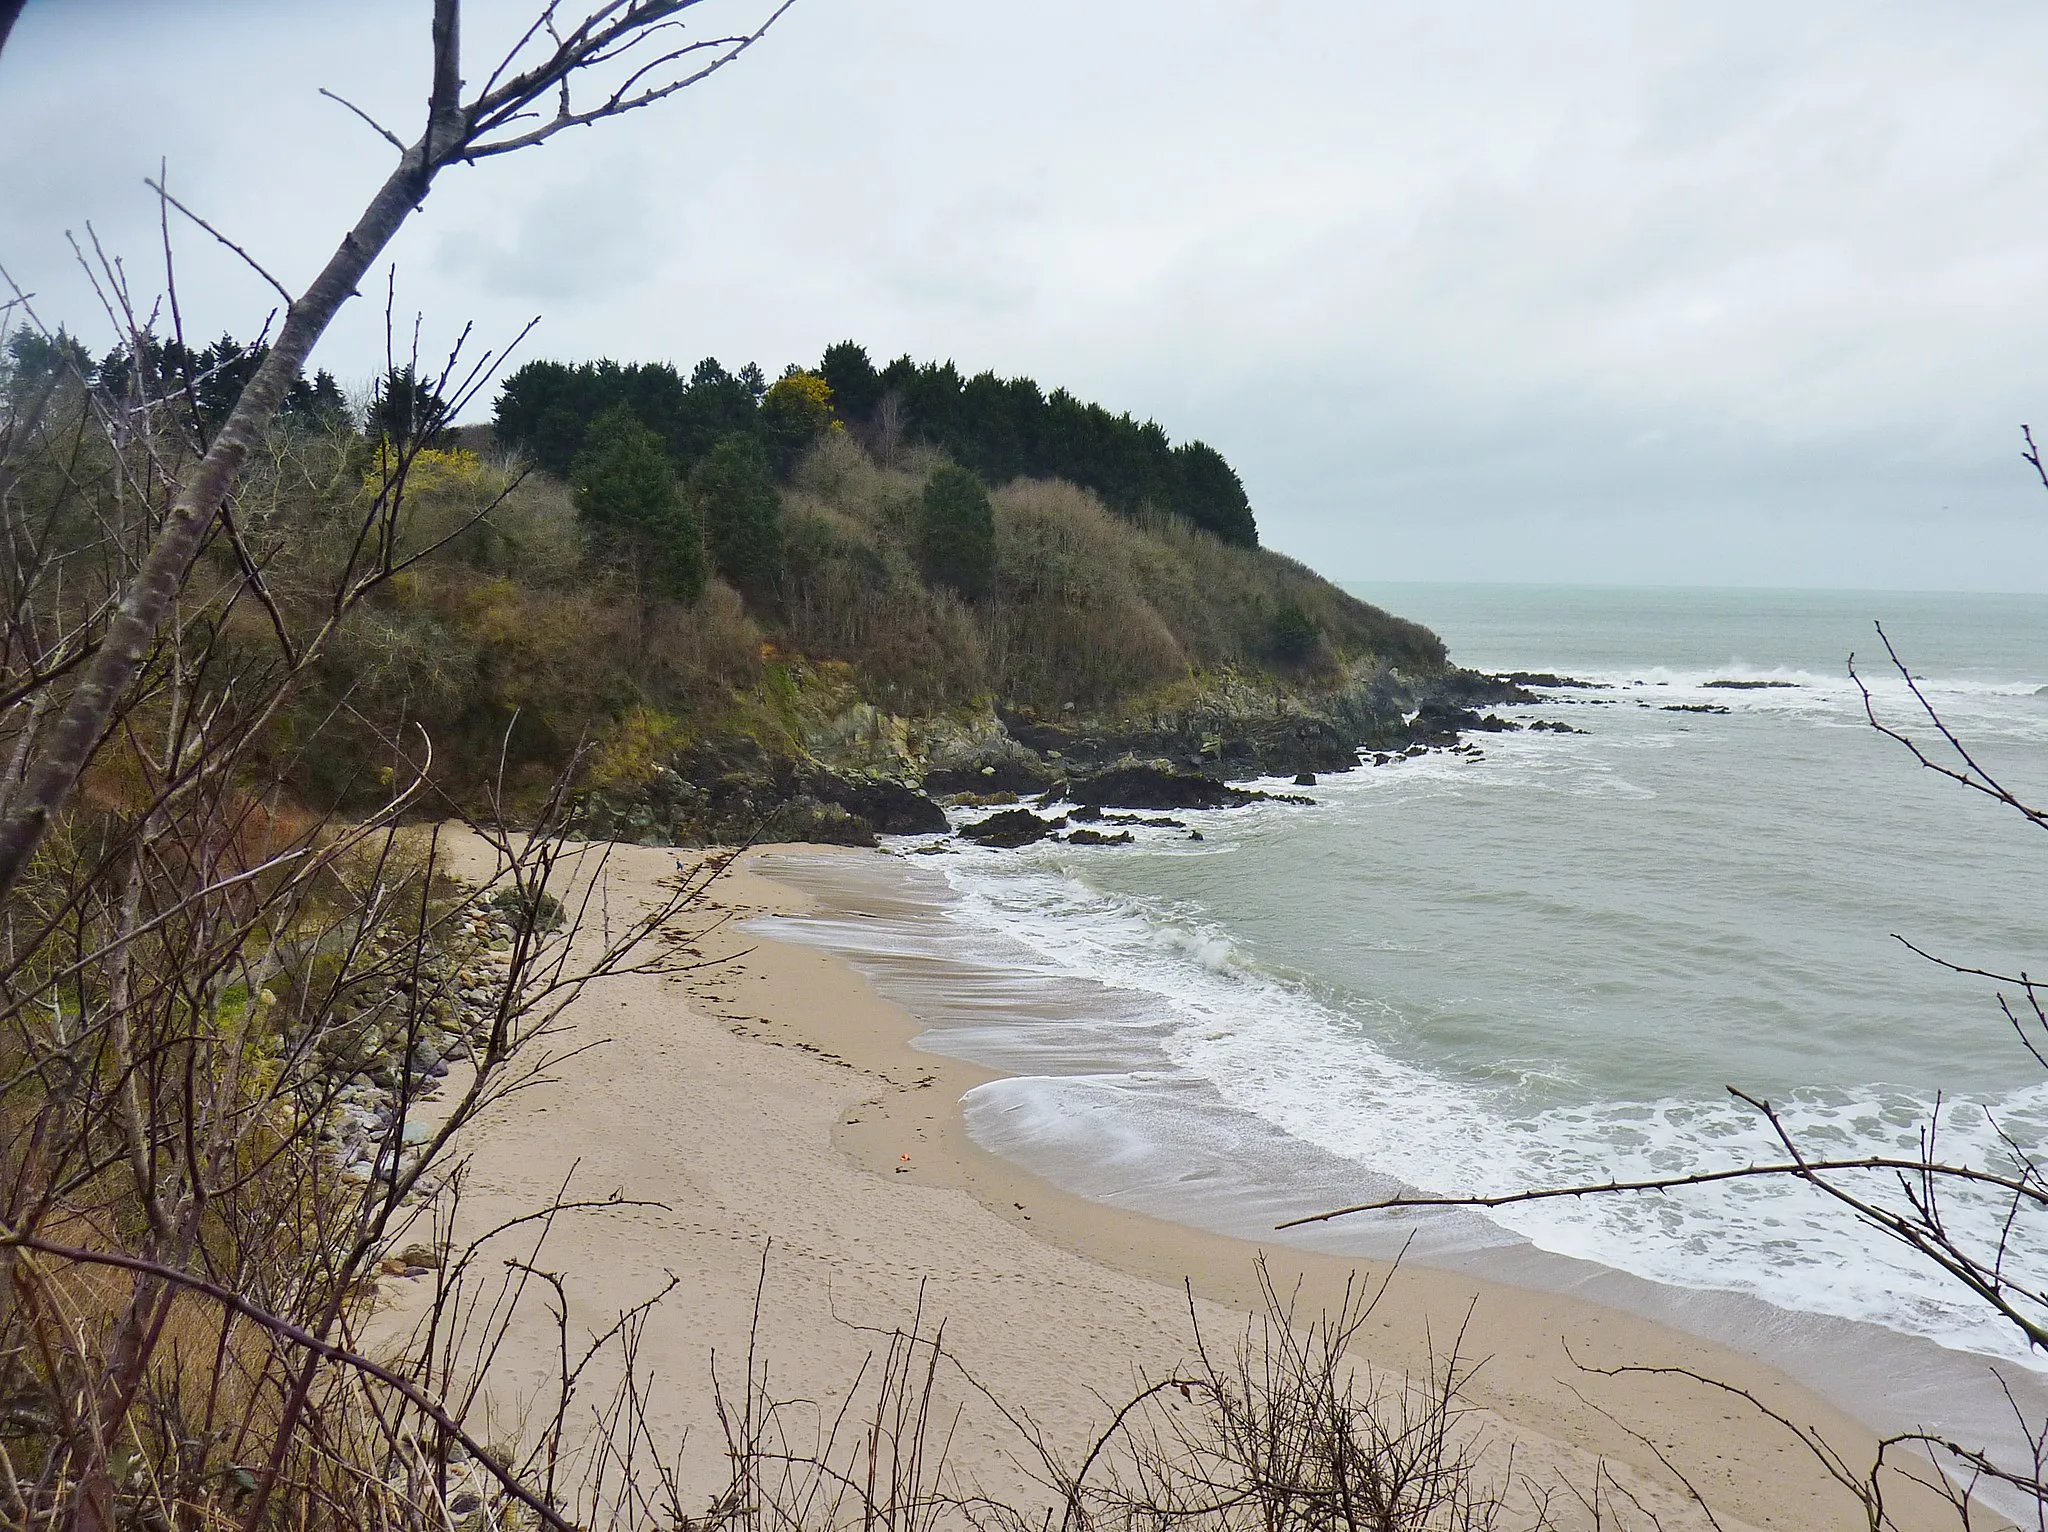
[{"x": 1739, "y": 293}]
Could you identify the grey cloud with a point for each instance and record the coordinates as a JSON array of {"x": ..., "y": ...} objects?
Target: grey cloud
[{"x": 1585, "y": 290}]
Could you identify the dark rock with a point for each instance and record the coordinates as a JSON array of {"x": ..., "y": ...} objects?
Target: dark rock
[
  {"x": 1152, "y": 787},
  {"x": 1438, "y": 723},
  {"x": 1692, "y": 707},
  {"x": 1305, "y": 779},
  {"x": 1472, "y": 688},
  {"x": 1551, "y": 682},
  {"x": 1549, "y": 726},
  {"x": 1752, "y": 686},
  {"x": 1087, "y": 812},
  {"x": 729, "y": 789},
  {"x": 1005, "y": 776},
  {"x": 1157, "y": 787},
  {"x": 889, "y": 807},
  {"x": 1097, "y": 838},
  {"x": 805, "y": 819},
  {"x": 1158, "y": 822},
  {"x": 1010, "y": 829}
]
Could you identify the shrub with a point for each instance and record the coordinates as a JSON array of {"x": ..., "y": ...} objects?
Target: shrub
[
  {"x": 1295, "y": 634},
  {"x": 957, "y": 533}
]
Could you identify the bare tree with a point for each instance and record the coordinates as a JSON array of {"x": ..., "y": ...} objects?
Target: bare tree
[{"x": 621, "y": 55}]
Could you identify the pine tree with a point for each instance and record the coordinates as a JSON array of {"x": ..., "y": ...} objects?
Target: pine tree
[
  {"x": 957, "y": 533},
  {"x": 632, "y": 509},
  {"x": 733, "y": 489}
]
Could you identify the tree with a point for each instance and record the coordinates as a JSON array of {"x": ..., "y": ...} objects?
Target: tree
[
  {"x": 545, "y": 408},
  {"x": 1210, "y": 494},
  {"x": 795, "y": 413},
  {"x": 957, "y": 532},
  {"x": 1005, "y": 428},
  {"x": 632, "y": 509},
  {"x": 404, "y": 409},
  {"x": 733, "y": 490},
  {"x": 319, "y": 403},
  {"x": 637, "y": 54},
  {"x": 856, "y": 386},
  {"x": 36, "y": 361}
]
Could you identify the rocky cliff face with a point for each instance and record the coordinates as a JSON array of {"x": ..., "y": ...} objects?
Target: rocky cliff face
[{"x": 847, "y": 772}]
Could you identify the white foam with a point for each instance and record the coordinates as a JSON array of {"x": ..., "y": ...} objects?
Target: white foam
[{"x": 1273, "y": 1047}]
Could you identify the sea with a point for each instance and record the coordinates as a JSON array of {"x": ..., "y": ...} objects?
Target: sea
[{"x": 1553, "y": 963}]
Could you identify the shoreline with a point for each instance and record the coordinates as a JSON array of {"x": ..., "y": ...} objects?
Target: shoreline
[
  {"x": 1089, "y": 1110},
  {"x": 777, "y": 1104}
]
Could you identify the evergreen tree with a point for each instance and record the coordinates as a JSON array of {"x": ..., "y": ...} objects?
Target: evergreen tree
[
  {"x": 318, "y": 405},
  {"x": 733, "y": 489},
  {"x": 218, "y": 376},
  {"x": 544, "y": 410},
  {"x": 715, "y": 405},
  {"x": 856, "y": 386},
  {"x": 405, "y": 409},
  {"x": 957, "y": 532},
  {"x": 36, "y": 361},
  {"x": 632, "y": 510},
  {"x": 1211, "y": 495},
  {"x": 1000, "y": 428}
]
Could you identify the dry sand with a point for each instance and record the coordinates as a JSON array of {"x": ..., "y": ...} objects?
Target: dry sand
[{"x": 774, "y": 1104}]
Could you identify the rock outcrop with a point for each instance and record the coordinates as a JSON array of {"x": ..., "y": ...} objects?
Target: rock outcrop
[{"x": 845, "y": 773}]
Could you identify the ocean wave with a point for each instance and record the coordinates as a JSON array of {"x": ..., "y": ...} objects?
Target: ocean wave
[{"x": 1312, "y": 1064}]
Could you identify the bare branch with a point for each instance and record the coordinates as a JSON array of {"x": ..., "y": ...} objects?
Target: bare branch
[
  {"x": 385, "y": 133},
  {"x": 247, "y": 259}
]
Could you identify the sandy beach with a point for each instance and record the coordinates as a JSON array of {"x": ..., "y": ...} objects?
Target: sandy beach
[{"x": 773, "y": 1105}]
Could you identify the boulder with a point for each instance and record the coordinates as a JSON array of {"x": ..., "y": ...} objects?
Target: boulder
[
  {"x": 1438, "y": 722},
  {"x": 888, "y": 807},
  {"x": 1097, "y": 838},
  {"x": 1548, "y": 681},
  {"x": 1160, "y": 787},
  {"x": 987, "y": 761},
  {"x": 1004, "y": 776},
  {"x": 1156, "y": 787},
  {"x": 805, "y": 819},
  {"x": 1010, "y": 829}
]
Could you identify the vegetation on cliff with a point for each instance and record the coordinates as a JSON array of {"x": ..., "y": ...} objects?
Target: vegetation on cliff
[
  {"x": 730, "y": 560},
  {"x": 1000, "y": 429}
]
